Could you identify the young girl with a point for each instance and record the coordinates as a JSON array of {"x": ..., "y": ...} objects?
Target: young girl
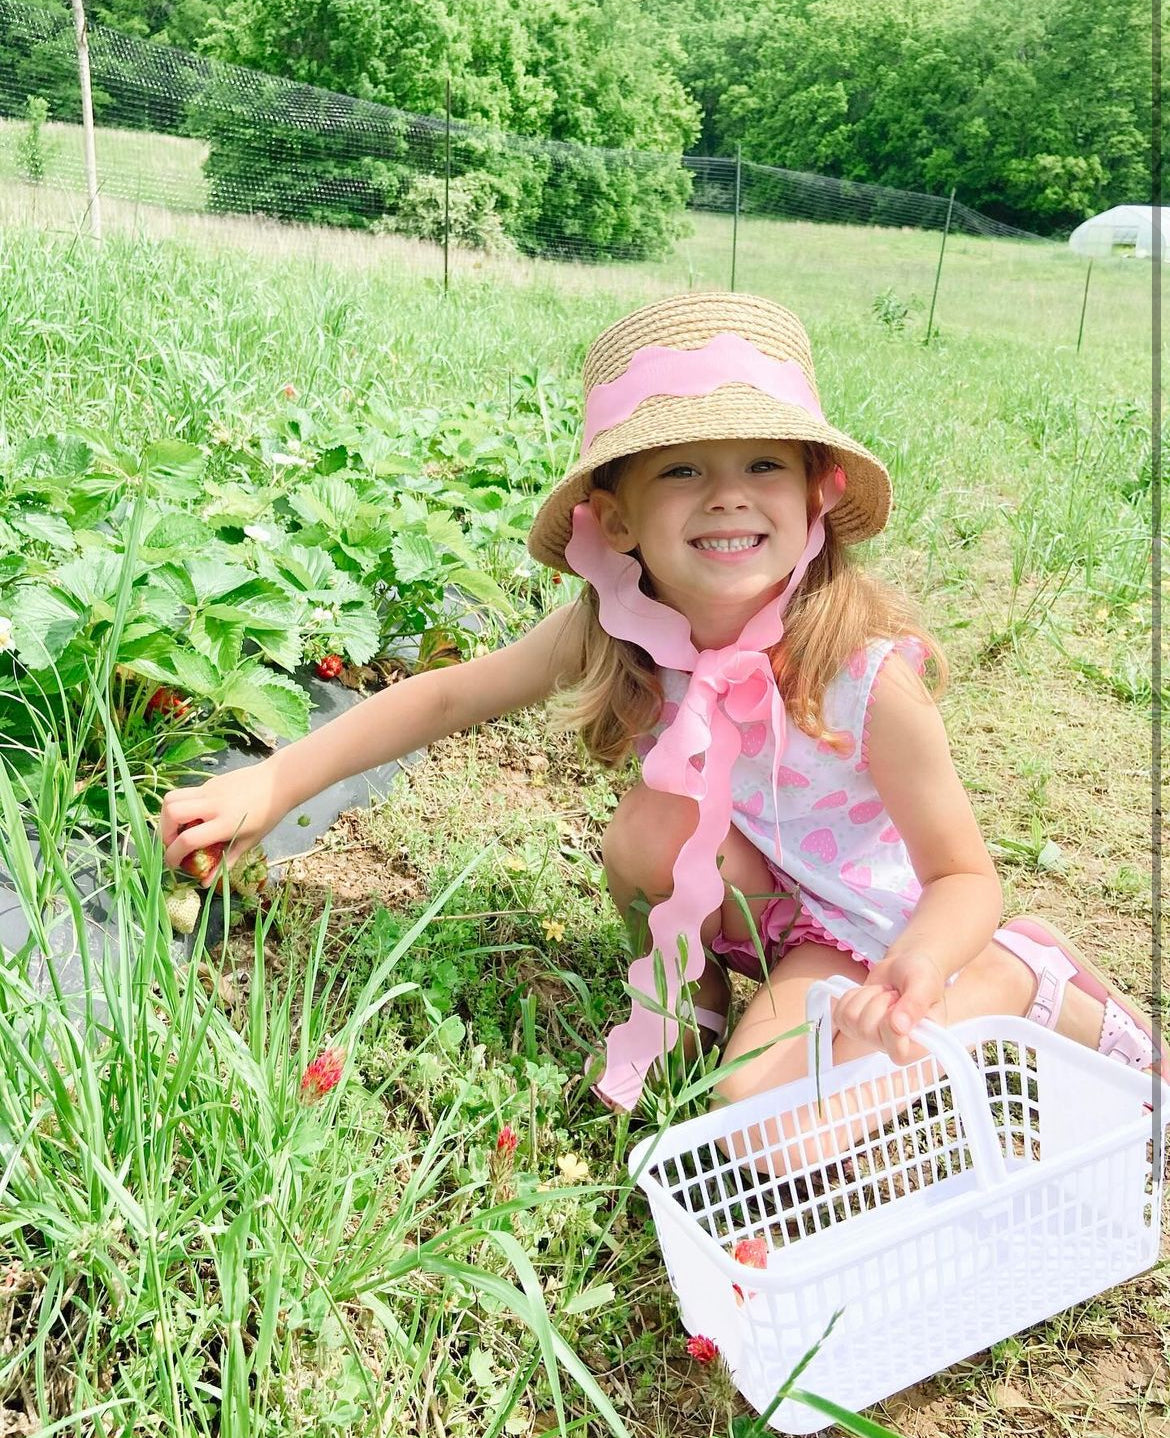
[{"x": 789, "y": 747}]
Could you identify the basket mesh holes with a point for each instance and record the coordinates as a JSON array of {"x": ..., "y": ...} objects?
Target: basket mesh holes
[
  {"x": 870, "y": 1153},
  {"x": 1013, "y": 1093}
]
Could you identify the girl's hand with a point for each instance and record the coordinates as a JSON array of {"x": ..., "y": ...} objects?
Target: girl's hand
[
  {"x": 235, "y": 810},
  {"x": 899, "y": 991}
]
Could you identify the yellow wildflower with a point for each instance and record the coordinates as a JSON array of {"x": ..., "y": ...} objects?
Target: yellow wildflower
[
  {"x": 516, "y": 864},
  {"x": 552, "y": 929},
  {"x": 573, "y": 1169}
]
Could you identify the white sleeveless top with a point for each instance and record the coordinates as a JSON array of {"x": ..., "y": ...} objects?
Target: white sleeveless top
[{"x": 837, "y": 843}]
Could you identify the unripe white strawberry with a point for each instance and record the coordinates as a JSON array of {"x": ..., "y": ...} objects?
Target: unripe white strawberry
[
  {"x": 183, "y": 909},
  {"x": 249, "y": 874}
]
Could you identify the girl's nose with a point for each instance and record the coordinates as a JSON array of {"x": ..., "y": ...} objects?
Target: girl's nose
[{"x": 726, "y": 490}]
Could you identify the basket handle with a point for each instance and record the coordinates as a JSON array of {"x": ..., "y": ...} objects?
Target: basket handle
[{"x": 966, "y": 1080}]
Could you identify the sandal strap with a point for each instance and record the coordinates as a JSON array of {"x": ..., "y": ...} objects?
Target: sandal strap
[
  {"x": 1052, "y": 967},
  {"x": 1122, "y": 1036},
  {"x": 1122, "y": 1039},
  {"x": 712, "y": 1019}
]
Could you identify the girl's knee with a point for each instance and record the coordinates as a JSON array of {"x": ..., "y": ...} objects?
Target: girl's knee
[
  {"x": 646, "y": 832},
  {"x": 773, "y": 1150}
]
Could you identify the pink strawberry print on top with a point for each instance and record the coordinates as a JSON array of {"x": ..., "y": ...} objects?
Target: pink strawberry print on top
[
  {"x": 821, "y": 844},
  {"x": 857, "y": 876},
  {"x": 862, "y": 813},
  {"x": 752, "y": 738},
  {"x": 786, "y": 777},
  {"x": 833, "y": 800},
  {"x": 753, "y": 804}
]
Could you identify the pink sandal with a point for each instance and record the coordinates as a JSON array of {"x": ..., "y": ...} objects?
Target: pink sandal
[{"x": 1126, "y": 1033}]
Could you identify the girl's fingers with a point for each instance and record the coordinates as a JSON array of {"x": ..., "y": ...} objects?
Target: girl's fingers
[
  {"x": 861, "y": 1014},
  {"x": 188, "y": 837}
]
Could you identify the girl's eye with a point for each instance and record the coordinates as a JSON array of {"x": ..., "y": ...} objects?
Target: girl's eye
[{"x": 686, "y": 471}]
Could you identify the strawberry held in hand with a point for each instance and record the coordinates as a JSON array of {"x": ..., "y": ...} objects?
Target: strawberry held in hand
[
  {"x": 329, "y": 667},
  {"x": 200, "y": 863}
]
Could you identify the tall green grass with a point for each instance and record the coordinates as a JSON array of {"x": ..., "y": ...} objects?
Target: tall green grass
[{"x": 187, "y": 1242}]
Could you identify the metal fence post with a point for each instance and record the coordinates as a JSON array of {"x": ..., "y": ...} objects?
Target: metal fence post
[
  {"x": 91, "y": 184},
  {"x": 735, "y": 212},
  {"x": 938, "y": 271},
  {"x": 1084, "y": 306},
  {"x": 447, "y": 196}
]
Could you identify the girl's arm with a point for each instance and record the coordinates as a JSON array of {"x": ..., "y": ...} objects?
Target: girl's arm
[
  {"x": 912, "y": 770},
  {"x": 241, "y": 807}
]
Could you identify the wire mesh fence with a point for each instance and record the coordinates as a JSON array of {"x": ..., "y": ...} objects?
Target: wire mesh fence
[{"x": 184, "y": 133}]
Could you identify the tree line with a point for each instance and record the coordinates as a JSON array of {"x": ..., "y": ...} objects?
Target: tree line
[{"x": 1038, "y": 115}]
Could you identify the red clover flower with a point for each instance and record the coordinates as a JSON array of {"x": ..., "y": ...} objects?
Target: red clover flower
[
  {"x": 702, "y": 1350},
  {"x": 322, "y": 1074}
]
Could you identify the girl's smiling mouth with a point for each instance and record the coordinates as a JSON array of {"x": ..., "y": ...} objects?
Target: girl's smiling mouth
[{"x": 727, "y": 546}]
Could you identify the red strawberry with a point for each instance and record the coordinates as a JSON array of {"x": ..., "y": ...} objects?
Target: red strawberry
[
  {"x": 200, "y": 862},
  {"x": 753, "y": 1252},
  {"x": 329, "y": 667},
  {"x": 166, "y": 701}
]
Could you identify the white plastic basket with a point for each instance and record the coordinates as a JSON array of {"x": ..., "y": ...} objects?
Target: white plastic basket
[{"x": 1009, "y": 1174}]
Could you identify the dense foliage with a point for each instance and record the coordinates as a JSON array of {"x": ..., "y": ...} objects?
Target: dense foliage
[{"x": 1037, "y": 115}]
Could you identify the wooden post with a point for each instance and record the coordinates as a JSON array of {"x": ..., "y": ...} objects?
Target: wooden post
[
  {"x": 447, "y": 194},
  {"x": 1084, "y": 306},
  {"x": 938, "y": 271},
  {"x": 735, "y": 212},
  {"x": 91, "y": 183}
]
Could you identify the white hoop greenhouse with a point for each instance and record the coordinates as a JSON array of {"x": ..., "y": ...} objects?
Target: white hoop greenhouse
[{"x": 1125, "y": 230}]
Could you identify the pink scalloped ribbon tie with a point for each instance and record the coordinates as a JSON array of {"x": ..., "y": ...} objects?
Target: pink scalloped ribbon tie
[
  {"x": 728, "y": 688},
  {"x": 726, "y": 359}
]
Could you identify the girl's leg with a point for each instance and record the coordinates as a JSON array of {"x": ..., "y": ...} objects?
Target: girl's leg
[
  {"x": 994, "y": 982},
  {"x": 639, "y": 850}
]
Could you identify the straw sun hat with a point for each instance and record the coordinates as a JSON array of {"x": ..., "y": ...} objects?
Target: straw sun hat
[{"x": 732, "y": 333}]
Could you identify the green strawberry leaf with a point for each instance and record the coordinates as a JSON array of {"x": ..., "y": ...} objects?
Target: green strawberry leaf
[{"x": 262, "y": 697}]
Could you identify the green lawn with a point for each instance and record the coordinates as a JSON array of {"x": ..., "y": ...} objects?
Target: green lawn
[{"x": 132, "y": 165}]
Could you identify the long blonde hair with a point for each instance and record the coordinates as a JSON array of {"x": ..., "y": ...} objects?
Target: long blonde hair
[{"x": 836, "y": 610}]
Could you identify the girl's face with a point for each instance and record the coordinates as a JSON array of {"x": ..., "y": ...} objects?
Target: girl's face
[{"x": 718, "y": 524}]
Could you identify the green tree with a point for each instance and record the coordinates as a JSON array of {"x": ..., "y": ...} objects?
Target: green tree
[
  {"x": 1039, "y": 116},
  {"x": 583, "y": 71}
]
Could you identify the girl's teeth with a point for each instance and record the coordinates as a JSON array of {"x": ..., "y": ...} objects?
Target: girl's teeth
[{"x": 744, "y": 543}]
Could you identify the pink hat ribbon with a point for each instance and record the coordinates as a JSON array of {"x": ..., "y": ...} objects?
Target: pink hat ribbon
[
  {"x": 726, "y": 359},
  {"x": 728, "y": 687}
]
